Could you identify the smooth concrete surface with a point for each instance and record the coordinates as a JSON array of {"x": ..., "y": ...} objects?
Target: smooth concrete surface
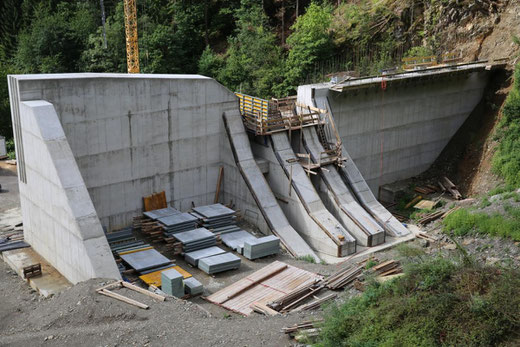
[
  {"x": 60, "y": 221},
  {"x": 353, "y": 178},
  {"x": 264, "y": 197},
  {"x": 343, "y": 204},
  {"x": 49, "y": 283},
  {"x": 398, "y": 132},
  {"x": 310, "y": 200}
]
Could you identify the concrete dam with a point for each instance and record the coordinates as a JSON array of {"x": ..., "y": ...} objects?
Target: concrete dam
[{"x": 90, "y": 146}]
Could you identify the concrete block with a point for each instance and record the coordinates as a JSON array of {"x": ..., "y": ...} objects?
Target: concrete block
[{"x": 172, "y": 283}]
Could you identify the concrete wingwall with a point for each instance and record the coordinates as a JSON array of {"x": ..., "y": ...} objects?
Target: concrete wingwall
[
  {"x": 128, "y": 136},
  {"x": 63, "y": 225},
  {"x": 398, "y": 132}
]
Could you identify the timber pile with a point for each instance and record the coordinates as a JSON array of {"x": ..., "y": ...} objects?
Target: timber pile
[
  {"x": 426, "y": 190},
  {"x": 296, "y": 297},
  {"x": 343, "y": 277},
  {"x": 388, "y": 267},
  {"x": 316, "y": 303},
  {"x": 152, "y": 229},
  {"x": 436, "y": 215},
  {"x": 307, "y": 329},
  {"x": 107, "y": 291}
]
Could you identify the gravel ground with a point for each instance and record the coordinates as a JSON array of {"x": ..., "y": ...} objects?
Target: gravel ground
[{"x": 80, "y": 317}]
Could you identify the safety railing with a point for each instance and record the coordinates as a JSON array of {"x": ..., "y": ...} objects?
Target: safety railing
[{"x": 264, "y": 117}]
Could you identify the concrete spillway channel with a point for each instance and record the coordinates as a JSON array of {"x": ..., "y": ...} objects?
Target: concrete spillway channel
[
  {"x": 303, "y": 205},
  {"x": 260, "y": 190},
  {"x": 353, "y": 178},
  {"x": 340, "y": 200}
]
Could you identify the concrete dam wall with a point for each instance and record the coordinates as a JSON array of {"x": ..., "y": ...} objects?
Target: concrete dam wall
[
  {"x": 90, "y": 146},
  {"x": 395, "y": 127}
]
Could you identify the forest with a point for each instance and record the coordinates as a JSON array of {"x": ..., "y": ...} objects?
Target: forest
[{"x": 261, "y": 47}]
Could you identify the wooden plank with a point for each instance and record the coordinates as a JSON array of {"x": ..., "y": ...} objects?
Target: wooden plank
[
  {"x": 263, "y": 308},
  {"x": 143, "y": 291},
  {"x": 248, "y": 282},
  {"x": 123, "y": 298},
  {"x": 219, "y": 183}
]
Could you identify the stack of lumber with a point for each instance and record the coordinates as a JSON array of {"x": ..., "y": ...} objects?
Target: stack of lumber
[
  {"x": 436, "y": 215},
  {"x": 426, "y": 190},
  {"x": 388, "y": 267},
  {"x": 343, "y": 277},
  {"x": 316, "y": 303},
  {"x": 219, "y": 263},
  {"x": 296, "y": 297},
  {"x": 217, "y": 218},
  {"x": 303, "y": 330},
  {"x": 196, "y": 239}
]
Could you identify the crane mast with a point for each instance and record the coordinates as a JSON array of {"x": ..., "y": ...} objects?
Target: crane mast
[{"x": 132, "y": 48}]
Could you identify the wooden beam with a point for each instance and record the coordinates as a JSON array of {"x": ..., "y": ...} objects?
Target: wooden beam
[
  {"x": 219, "y": 183},
  {"x": 123, "y": 298},
  {"x": 143, "y": 291}
]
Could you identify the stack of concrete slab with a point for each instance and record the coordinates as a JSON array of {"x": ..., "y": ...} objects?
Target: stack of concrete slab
[
  {"x": 161, "y": 213},
  {"x": 192, "y": 286},
  {"x": 193, "y": 258},
  {"x": 236, "y": 240},
  {"x": 196, "y": 239},
  {"x": 219, "y": 263},
  {"x": 172, "y": 283},
  {"x": 178, "y": 223},
  {"x": 145, "y": 260},
  {"x": 217, "y": 217},
  {"x": 261, "y": 247}
]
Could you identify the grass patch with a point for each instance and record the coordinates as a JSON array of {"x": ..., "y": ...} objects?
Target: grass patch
[
  {"x": 463, "y": 222},
  {"x": 308, "y": 258},
  {"x": 485, "y": 202},
  {"x": 9, "y": 146},
  {"x": 437, "y": 302}
]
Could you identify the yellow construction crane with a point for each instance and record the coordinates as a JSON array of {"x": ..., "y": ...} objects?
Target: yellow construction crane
[{"x": 132, "y": 48}]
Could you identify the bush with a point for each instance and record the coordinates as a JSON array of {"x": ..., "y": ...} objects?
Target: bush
[{"x": 438, "y": 302}]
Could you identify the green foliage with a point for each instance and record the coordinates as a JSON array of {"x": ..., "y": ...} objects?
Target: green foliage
[
  {"x": 310, "y": 42},
  {"x": 307, "y": 258},
  {"x": 253, "y": 62},
  {"x": 9, "y": 146},
  {"x": 96, "y": 58},
  {"x": 436, "y": 302},
  {"x": 506, "y": 161},
  {"x": 419, "y": 51},
  {"x": 5, "y": 110},
  {"x": 370, "y": 264},
  {"x": 56, "y": 37},
  {"x": 485, "y": 202},
  {"x": 210, "y": 63},
  {"x": 407, "y": 251},
  {"x": 463, "y": 222}
]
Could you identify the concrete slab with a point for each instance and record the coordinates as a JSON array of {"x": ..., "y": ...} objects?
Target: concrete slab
[{"x": 49, "y": 283}]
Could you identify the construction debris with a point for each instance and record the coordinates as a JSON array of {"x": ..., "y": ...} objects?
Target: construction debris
[
  {"x": 32, "y": 271},
  {"x": 426, "y": 190},
  {"x": 451, "y": 188},
  {"x": 105, "y": 290},
  {"x": 343, "y": 277},
  {"x": 304, "y": 330},
  {"x": 386, "y": 268},
  {"x": 425, "y": 204},
  {"x": 413, "y": 202}
]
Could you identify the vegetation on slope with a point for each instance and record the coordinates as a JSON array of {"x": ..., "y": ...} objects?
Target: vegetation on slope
[
  {"x": 506, "y": 161},
  {"x": 437, "y": 302}
]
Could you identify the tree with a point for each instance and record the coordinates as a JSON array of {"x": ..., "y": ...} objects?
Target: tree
[
  {"x": 253, "y": 62},
  {"x": 56, "y": 37},
  {"x": 309, "y": 43}
]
